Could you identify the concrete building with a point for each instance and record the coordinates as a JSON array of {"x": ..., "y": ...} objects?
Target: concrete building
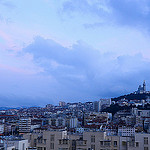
[
  {"x": 141, "y": 141},
  {"x": 96, "y": 106},
  {"x": 73, "y": 122},
  {"x": 101, "y": 104},
  {"x": 126, "y": 131},
  {"x": 57, "y": 122},
  {"x": 13, "y": 143},
  {"x": 105, "y": 103},
  {"x": 61, "y": 140},
  {"x": 61, "y": 103},
  {"x": 17, "y": 144},
  {"x": 1, "y": 128},
  {"x": 141, "y": 89},
  {"x": 24, "y": 125}
]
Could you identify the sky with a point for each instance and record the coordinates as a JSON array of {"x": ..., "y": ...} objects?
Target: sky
[{"x": 72, "y": 50}]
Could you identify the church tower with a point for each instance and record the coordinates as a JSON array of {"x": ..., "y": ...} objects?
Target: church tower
[{"x": 144, "y": 86}]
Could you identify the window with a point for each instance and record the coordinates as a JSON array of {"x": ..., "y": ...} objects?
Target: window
[
  {"x": 101, "y": 143},
  {"x": 44, "y": 141},
  {"x": 145, "y": 148},
  {"x": 59, "y": 141},
  {"x": 115, "y": 143},
  {"x": 23, "y": 146},
  {"x": 93, "y": 138},
  {"x": 52, "y": 138},
  {"x": 124, "y": 143},
  {"x": 107, "y": 143},
  {"x": 65, "y": 142},
  {"x": 51, "y": 145},
  {"x": 137, "y": 144},
  {"x": 92, "y": 147},
  {"x": 145, "y": 140}
]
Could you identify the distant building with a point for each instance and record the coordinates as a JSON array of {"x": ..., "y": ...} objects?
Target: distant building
[
  {"x": 102, "y": 103},
  {"x": 141, "y": 89},
  {"x": 96, "y": 106},
  {"x": 17, "y": 144},
  {"x": 61, "y": 103},
  {"x": 1, "y": 128},
  {"x": 73, "y": 122},
  {"x": 126, "y": 131},
  {"x": 49, "y": 106},
  {"x": 106, "y": 102},
  {"x": 24, "y": 125},
  {"x": 57, "y": 122}
]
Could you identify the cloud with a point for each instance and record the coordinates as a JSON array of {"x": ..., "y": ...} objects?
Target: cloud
[
  {"x": 46, "y": 72},
  {"x": 86, "y": 71},
  {"x": 87, "y": 8},
  {"x": 134, "y": 13},
  {"x": 7, "y": 4}
]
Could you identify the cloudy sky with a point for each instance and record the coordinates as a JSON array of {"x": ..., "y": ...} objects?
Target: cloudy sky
[{"x": 72, "y": 50}]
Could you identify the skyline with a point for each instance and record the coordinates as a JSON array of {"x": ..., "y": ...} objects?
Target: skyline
[{"x": 72, "y": 50}]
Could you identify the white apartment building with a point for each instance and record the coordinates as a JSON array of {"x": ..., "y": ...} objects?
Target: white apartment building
[
  {"x": 16, "y": 144},
  {"x": 73, "y": 122},
  {"x": 126, "y": 131},
  {"x": 24, "y": 125},
  {"x": 1, "y": 128}
]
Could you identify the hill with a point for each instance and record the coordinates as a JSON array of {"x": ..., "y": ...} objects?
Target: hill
[{"x": 132, "y": 96}]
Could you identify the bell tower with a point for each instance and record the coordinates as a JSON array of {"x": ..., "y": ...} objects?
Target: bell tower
[{"x": 144, "y": 86}]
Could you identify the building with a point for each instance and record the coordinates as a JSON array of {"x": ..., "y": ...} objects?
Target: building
[
  {"x": 96, "y": 106},
  {"x": 73, "y": 122},
  {"x": 62, "y": 140},
  {"x": 61, "y": 103},
  {"x": 106, "y": 102},
  {"x": 101, "y": 104},
  {"x": 126, "y": 131},
  {"x": 141, "y": 141},
  {"x": 141, "y": 89},
  {"x": 24, "y": 125},
  {"x": 57, "y": 122},
  {"x": 13, "y": 143},
  {"x": 1, "y": 128},
  {"x": 17, "y": 144}
]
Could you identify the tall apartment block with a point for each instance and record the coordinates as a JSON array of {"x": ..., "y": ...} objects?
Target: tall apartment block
[{"x": 24, "y": 125}]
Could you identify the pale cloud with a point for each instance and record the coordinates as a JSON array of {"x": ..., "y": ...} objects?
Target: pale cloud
[
  {"x": 49, "y": 72},
  {"x": 89, "y": 69}
]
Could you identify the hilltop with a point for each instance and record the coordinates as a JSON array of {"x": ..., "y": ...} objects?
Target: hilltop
[{"x": 133, "y": 96}]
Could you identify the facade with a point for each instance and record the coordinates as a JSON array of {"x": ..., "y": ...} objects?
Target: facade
[
  {"x": 24, "y": 125},
  {"x": 58, "y": 122},
  {"x": 96, "y": 106},
  {"x": 105, "y": 103},
  {"x": 126, "y": 131},
  {"x": 61, "y": 103},
  {"x": 17, "y": 144},
  {"x": 61, "y": 140},
  {"x": 101, "y": 104},
  {"x": 141, "y": 89},
  {"x": 1, "y": 128},
  {"x": 73, "y": 123},
  {"x": 141, "y": 141}
]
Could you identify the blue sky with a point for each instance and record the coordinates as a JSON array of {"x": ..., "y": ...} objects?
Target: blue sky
[{"x": 72, "y": 50}]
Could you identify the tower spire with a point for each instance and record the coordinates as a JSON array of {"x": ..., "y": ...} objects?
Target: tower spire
[{"x": 144, "y": 86}]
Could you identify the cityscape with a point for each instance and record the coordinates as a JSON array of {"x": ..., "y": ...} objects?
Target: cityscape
[
  {"x": 74, "y": 74},
  {"x": 110, "y": 124}
]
